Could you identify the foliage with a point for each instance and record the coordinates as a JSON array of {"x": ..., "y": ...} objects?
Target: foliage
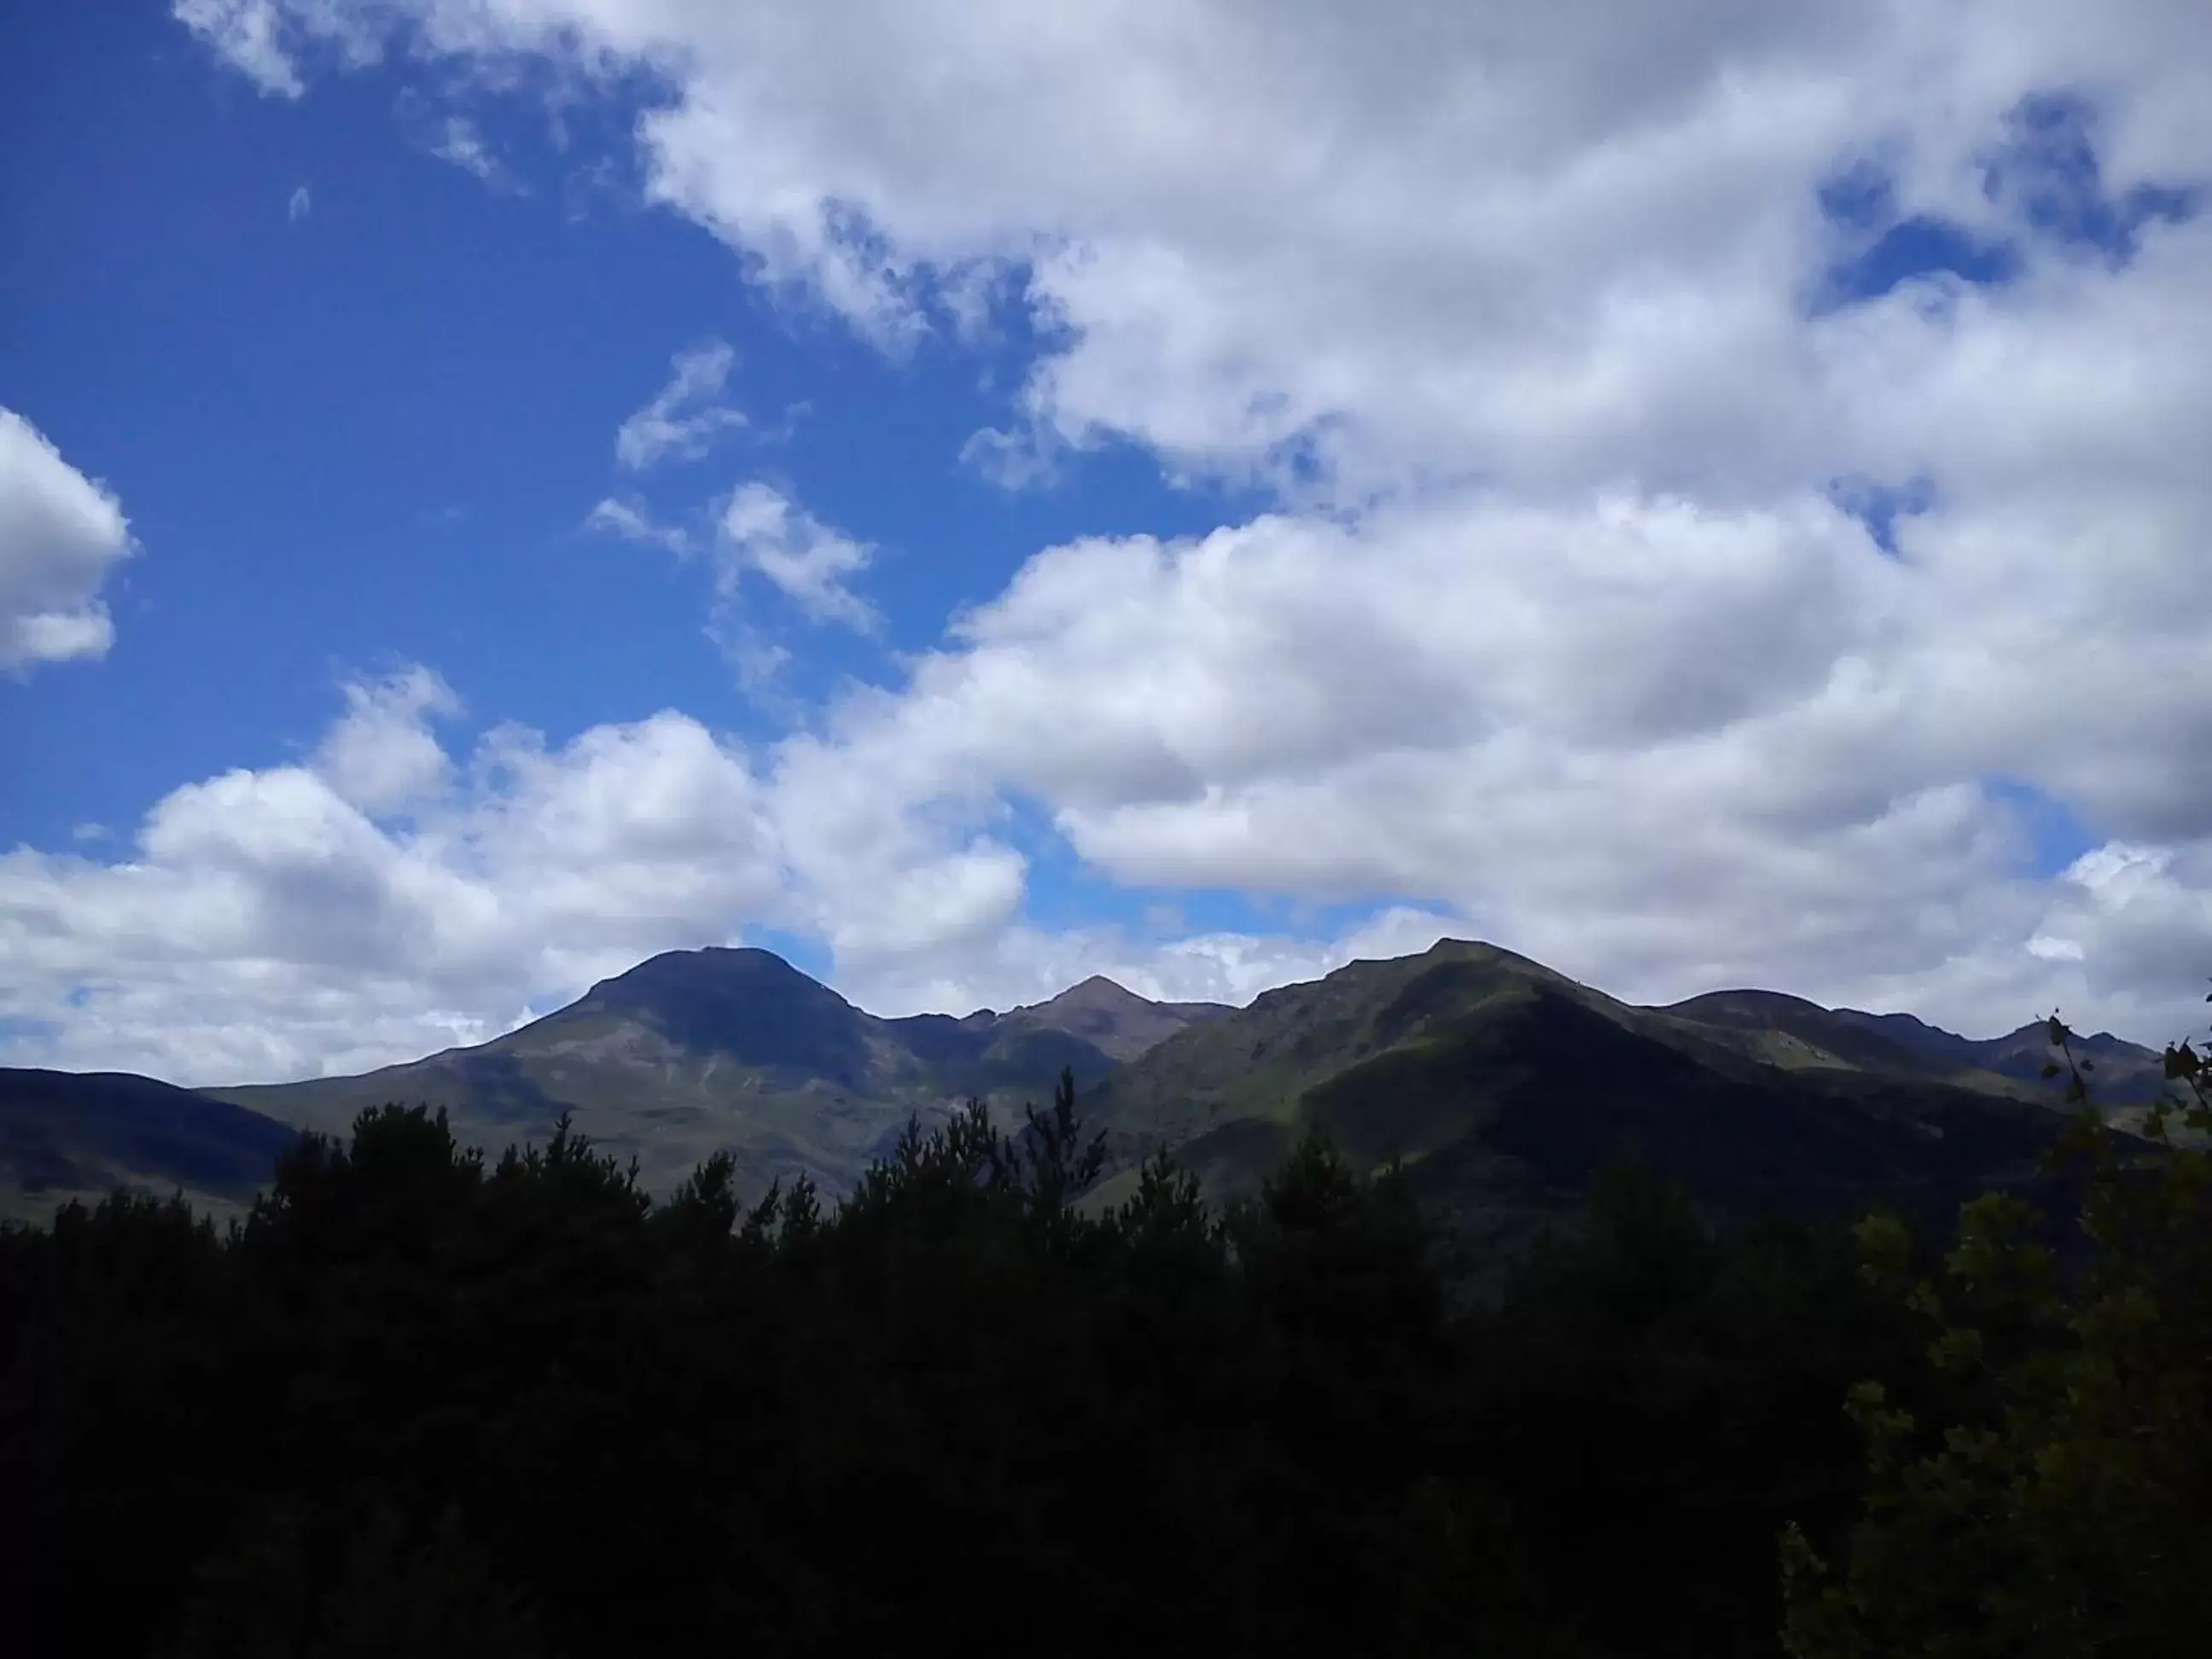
[
  {"x": 2060, "y": 1506},
  {"x": 422, "y": 1401},
  {"x": 1658, "y": 1397},
  {"x": 419, "y": 1402}
]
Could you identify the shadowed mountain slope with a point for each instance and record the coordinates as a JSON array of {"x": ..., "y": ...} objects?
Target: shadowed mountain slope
[
  {"x": 698, "y": 1051},
  {"x": 81, "y": 1134},
  {"x": 1498, "y": 1081},
  {"x": 1790, "y": 1031},
  {"x": 1502, "y": 1086}
]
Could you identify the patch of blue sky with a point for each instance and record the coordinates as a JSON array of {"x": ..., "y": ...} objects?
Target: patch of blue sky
[
  {"x": 2046, "y": 168},
  {"x": 2045, "y": 181},
  {"x": 1879, "y": 506},
  {"x": 2057, "y": 835}
]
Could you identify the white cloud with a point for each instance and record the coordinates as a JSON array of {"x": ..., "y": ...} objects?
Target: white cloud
[
  {"x": 61, "y": 535},
  {"x": 1469, "y": 240},
  {"x": 382, "y": 756},
  {"x": 763, "y": 531},
  {"x": 1023, "y": 964},
  {"x": 276, "y": 44},
  {"x": 1556, "y": 634},
  {"x": 758, "y": 530},
  {"x": 268, "y": 924},
  {"x": 298, "y": 205},
  {"x": 1660, "y": 748},
  {"x": 684, "y": 420},
  {"x": 280, "y": 923},
  {"x": 459, "y": 142},
  {"x": 758, "y": 660},
  {"x": 1014, "y": 460},
  {"x": 248, "y": 35},
  {"x": 631, "y": 520}
]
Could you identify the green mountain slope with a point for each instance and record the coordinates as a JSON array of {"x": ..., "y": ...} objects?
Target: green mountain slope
[
  {"x": 67, "y": 1134},
  {"x": 695, "y": 1052},
  {"x": 1498, "y": 1081},
  {"x": 1502, "y": 1086},
  {"x": 1117, "y": 1022}
]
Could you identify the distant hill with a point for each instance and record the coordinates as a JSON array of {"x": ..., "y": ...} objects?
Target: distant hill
[
  {"x": 1503, "y": 1085},
  {"x": 696, "y": 1051},
  {"x": 1117, "y": 1022},
  {"x": 1791, "y": 1032},
  {"x": 81, "y": 1134}
]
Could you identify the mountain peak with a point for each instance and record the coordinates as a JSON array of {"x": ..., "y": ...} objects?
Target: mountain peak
[
  {"x": 1745, "y": 1007},
  {"x": 1095, "y": 989},
  {"x": 712, "y": 971},
  {"x": 741, "y": 1001},
  {"x": 1112, "y": 1017},
  {"x": 1477, "y": 950},
  {"x": 721, "y": 959}
]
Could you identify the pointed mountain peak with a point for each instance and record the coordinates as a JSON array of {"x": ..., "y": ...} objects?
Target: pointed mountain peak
[
  {"x": 1109, "y": 1015},
  {"x": 1097, "y": 992}
]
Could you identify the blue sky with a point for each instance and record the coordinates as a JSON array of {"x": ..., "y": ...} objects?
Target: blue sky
[
  {"x": 370, "y": 430},
  {"x": 1622, "y": 518}
]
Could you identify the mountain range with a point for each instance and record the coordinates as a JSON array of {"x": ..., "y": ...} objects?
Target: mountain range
[{"x": 1500, "y": 1083}]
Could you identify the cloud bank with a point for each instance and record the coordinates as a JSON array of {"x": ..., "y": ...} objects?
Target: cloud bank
[{"x": 1729, "y": 482}]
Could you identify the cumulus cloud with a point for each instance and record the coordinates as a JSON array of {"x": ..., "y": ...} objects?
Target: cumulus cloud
[
  {"x": 61, "y": 535},
  {"x": 382, "y": 756},
  {"x": 287, "y": 922},
  {"x": 684, "y": 420},
  {"x": 762, "y": 531},
  {"x": 1474, "y": 240},
  {"x": 282, "y": 922},
  {"x": 1569, "y": 349},
  {"x": 1658, "y": 748}
]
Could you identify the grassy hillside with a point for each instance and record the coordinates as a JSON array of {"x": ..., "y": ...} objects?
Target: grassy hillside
[
  {"x": 1504, "y": 1086},
  {"x": 694, "y": 1052}
]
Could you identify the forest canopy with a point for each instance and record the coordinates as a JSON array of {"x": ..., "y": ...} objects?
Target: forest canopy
[{"x": 420, "y": 1401}]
